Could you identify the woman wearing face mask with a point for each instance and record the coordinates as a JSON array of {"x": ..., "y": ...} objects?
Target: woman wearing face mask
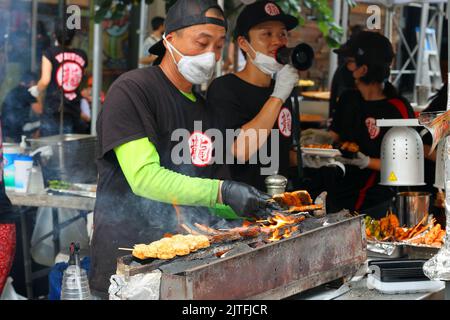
[
  {"x": 148, "y": 115},
  {"x": 368, "y": 56},
  {"x": 250, "y": 100}
]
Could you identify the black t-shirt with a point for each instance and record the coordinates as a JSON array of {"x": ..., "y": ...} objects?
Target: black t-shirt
[
  {"x": 16, "y": 110},
  {"x": 355, "y": 121},
  {"x": 67, "y": 73},
  {"x": 143, "y": 103},
  {"x": 342, "y": 81},
  {"x": 6, "y": 214},
  {"x": 234, "y": 102}
]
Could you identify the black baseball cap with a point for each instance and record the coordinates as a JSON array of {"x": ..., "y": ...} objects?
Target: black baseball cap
[
  {"x": 259, "y": 12},
  {"x": 368, "y": 47},
  {"x": 187, "y": 13}
]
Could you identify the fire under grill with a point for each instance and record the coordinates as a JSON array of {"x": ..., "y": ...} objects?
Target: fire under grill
[{"x": 319, "y": 251}]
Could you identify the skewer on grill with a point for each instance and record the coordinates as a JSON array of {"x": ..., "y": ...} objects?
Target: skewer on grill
[
  {"x": 206, "y": 229},
  {"x": 189, "y": 230}
]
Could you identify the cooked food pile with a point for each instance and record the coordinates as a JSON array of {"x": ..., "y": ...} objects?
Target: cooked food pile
[
  {"x": 389, "y": 229},
  {"x": 305, "y": 83},
  {"x": 168, "y": 248},
  {"x": 318, "y": 146},
  {"x": 350, "y": 147},
  {"x": 296, "y": 201}
]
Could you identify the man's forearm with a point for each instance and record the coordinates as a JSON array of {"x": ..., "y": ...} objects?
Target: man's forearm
[
  {"x": 42, "y": 86},
  {"x": 374, "y": 164},
  {"x": 255, "y": 132},
  {"x": 139, "y": 162}
]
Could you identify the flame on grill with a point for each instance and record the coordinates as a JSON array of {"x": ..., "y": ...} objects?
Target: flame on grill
[
  {"x": 280, "y": 226},
  {"x": 277, "y": 227}
]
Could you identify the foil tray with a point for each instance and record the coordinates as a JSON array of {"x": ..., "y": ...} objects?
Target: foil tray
[{"x": 393, "y": 250}]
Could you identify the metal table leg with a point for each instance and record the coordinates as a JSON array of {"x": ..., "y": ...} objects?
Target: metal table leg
[
  {"x": 56, "y": 228},
  {"x": 447, "y": 290},
  {"x": 26, "y": 254}
]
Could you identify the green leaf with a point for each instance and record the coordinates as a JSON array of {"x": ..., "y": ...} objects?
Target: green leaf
[
  {"x": 323, "y": 27},
  {"x": 301, "y": 20},
  {"x": 332, "y": 42}
]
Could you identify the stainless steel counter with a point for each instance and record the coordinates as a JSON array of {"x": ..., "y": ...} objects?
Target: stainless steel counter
[
  {"x": 356, "y": 289},
  {"x": 23, "y": 200},
  {"x": 52, "y": 201}
]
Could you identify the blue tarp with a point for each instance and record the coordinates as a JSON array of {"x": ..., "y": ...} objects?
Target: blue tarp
[{"x": 55, "y": 277}]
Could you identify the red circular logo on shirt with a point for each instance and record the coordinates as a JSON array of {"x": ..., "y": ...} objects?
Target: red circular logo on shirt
[
  {"x": 201, "y": 148},
  {"x": 374, "y": 131},
  {"x": 285, "y": 122},
  {"x": 272, "y": 9},
  {"x": 69, "y": 76}
]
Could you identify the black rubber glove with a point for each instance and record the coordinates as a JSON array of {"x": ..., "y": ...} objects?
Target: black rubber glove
[{"x": 245, "y": 200}]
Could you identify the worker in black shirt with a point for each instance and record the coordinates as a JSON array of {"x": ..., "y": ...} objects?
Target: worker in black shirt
[
  {"x": 149, "y": 180},
  {"x": 342, "y": 79},
  {"x": 17, "y": 108},
  {"x": 62, "y": 72},
  {"x": 368, "y": 58},
  {"x": 252, "y": 102}
]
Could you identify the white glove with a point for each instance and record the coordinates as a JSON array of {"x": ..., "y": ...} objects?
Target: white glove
[
  {"x": 315, "y": 136},
  {"x": 285, "y": 81},
  {"x": 34, "y": 91},
  {"x": 315, "y": 162},
  {"x": 362, "y": 161}
]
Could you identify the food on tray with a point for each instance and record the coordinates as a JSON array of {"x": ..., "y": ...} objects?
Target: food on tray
[
  {"x": 389, "y": 229},
  {"x": 350, "y": 146},
  {"x": 59, "y": 184},
  {"x": 305, "y": 83},
  {"x": 64, "y": 185},
  {"x": 434, "y": 237},
  {"x": 349, "y": 149},
  {"x": 319, "y": 146},
  {"x": 168, "y": 248}
]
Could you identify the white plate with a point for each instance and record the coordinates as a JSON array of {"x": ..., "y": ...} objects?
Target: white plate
[{"x": 325, "y": 153}]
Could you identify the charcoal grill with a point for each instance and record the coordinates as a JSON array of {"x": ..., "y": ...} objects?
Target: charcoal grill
[{"x": 321, "y": 251}]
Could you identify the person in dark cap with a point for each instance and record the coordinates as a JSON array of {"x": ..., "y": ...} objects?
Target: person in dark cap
[
  {"x": 144, "y": 168},
  {"x": 18, "y": 108},
  {"x": 158, "y": 30},
  {"x": 252, "y": 101},
  {"x": 342, "y": 79},
  {"x": 369, "y": 57}
]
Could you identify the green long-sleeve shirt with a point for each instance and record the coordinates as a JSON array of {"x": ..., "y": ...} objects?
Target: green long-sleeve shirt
[{"x": 139, "y": 161}]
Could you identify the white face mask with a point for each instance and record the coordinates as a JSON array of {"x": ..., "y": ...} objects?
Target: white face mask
[
  {"x": 266, "y": 64},
  {"x": 195, "y": 69}
]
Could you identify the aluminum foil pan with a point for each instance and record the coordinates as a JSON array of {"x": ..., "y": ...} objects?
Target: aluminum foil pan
[{"x": 390, "y": 250}]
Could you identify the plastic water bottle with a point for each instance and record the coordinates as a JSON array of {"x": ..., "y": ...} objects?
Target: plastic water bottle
[
  {"x": 75, "y": 285},
  {"x": 23, "y": 145}
]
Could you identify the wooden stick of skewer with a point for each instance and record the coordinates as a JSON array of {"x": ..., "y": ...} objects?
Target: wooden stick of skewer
[
  {"x": 206, "y": 228},
  {"x": 126, "y": 249},
  {"x": 189, "y": 230}
]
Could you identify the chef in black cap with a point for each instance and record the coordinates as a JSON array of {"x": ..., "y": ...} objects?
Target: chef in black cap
[
  {"x": 255, "y": 103},
  {"x": 141, "y": 173}
]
